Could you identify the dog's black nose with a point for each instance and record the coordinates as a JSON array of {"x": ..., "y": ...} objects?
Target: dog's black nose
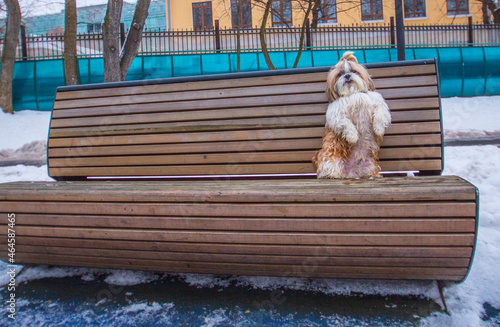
[{"x": 347, "y": 77}]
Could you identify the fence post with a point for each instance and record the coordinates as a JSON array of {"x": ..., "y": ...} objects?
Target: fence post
[
  {"x": 217, "y": 36},
  {"x": 308, "y": 35},
  {"x": 400, "y": 30},
  {"x": 122, "y": 34},
  {"x": 470, "y": 32},
  {"x": 393, "y": 34},
  {"x": 24, "y": 47}
]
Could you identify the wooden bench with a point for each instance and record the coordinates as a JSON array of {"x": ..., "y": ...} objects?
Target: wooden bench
[{"x": 272, "y": 217}]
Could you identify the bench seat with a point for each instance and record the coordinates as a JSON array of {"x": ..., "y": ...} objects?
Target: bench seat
[
  {"x": 391, "y": 228},
  {"x": 213, "y": 174}
]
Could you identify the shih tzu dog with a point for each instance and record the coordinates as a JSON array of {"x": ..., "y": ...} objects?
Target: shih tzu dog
[{"x": 356, "y": 120}]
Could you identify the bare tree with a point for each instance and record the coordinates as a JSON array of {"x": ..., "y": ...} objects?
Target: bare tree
[
  {"x": 490, "y": 8},
  {"x": 116, "y": 62},
  {"x": 9, "y": 54},
  {"x": 134, "y": 37},
  {"x": 70, "y": 61},
  {"x": 111, "y": 41}
]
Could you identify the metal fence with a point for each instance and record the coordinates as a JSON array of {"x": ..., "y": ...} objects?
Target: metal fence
[{"x": 278, "y": 39}]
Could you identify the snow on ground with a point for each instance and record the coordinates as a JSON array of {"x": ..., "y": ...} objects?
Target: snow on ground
[
  {"x": 463, "y": 117},
  {"x": 471, "y": 117}
]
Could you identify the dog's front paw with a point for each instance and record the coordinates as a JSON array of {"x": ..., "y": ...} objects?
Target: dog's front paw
[
  {"x": 351, "y": 137},
  {"x": 379, "y": 128}
]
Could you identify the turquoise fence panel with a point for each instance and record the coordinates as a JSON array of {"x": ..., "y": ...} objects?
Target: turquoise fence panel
[
  {"x": 49, "y": 75},
  {"x": 360, "y": 55},
  {"x": 474, "y": 71},
  {"x": 305, "y": 60},
  {"x": 215, "y": 64},
  {"x": 157, "y": 67},
  {"x": 325, "y": 57},
  {"x": 187, "y": 65},
  {"x": 96, "y": 68},
  {"x": 451, "y": 71},
  {"x": 425, "y": 53},
  {"x": 378, "y": 55},
  {"x": 249, "y": 62},
  {"x": 393, "y": 54},
  {"x": 463, "y": 71},
  {"x": 409, "y": 54},
  {"x": 136, "y": 70},
  {"x": 24, "y": 95},
  {"x": 492, "y": 71},
  {"x": 84, "y": 71},
  {"x": 278, "y": 59}
]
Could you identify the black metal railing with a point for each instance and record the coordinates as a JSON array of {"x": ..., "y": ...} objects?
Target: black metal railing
[{"x": 278, "y": 39}]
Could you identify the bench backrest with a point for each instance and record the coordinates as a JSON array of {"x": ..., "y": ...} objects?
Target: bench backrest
[{"x": 237, "y": 124}]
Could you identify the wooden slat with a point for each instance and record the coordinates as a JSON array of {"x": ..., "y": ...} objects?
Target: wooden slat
[
  {"x": 256, "y": 100},
  {"x": 231, "y": 169},
  {"x": 244, "y": 113},
  {"x": 439, "y": 188},
  {"x": 229, "y": 125},
  {"x": 255, "y": 249},
  {"x": 382, "y": 77},
  {"x": 285, "y": 271},
  {"x": 255, "y": 224},
  {"x": 394, "y": 105},
  {"x": 376, "y": 210},
  {"x": 344, "y": 239},
  {"x": 426, "y": 141},
  {"x": 231, "y": 157},
  {"x": 248, "y": 259},
  {"x": 240, "y": 93}
]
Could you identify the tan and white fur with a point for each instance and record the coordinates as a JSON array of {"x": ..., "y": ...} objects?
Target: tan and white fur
[{"x": 356, "y": 120}]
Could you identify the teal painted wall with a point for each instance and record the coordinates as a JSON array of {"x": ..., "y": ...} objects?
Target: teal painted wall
[{"x": 470, "y": 71}]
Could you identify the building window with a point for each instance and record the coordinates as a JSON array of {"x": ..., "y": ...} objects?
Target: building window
[
  {"x": 414, "y": 8},
  {"x": 327, "y": 12},
  {"x": 202, "y": 16},
  {"x": 371, "y": 10},
  {"x": 282, "y": 13},
  {"x": 458, "y": 7},
  {"x": 245, "y": 15},
  {"x": 94, "y": 28}
]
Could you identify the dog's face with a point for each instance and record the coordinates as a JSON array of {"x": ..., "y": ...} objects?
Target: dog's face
[{"x": 347, "y": 77}]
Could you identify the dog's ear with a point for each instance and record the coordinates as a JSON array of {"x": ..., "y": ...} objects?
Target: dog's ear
[
  {"x": 331, "y": 92},
  {"x": 349, "y": 56}
]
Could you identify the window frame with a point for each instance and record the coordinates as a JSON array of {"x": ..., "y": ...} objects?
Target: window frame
[
  {"x": 202, "y": 5},
  {"x": 328, "y": 19},
  {"x": 282, "y": 22},
  {"x": 243, "y": 2},
  {"x": 372, "y": 16},
  {"x": 414, "y": 13},
  {"x": 457, "y": 11}
]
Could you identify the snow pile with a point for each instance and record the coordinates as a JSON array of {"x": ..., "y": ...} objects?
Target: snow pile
[
  {"x": 36, "y": 150},
  {"x": 461, "y": 118}
]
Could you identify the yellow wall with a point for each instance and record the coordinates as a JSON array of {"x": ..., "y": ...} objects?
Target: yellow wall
[{"x": 181, "y": 15}]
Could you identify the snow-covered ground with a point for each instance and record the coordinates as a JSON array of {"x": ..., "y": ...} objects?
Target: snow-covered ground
[{"x": 463, "y": 117}]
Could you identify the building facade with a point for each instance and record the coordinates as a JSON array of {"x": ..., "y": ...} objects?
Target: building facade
[
  {"x": 201, "y": 15},
  {"x": 91, "y": 18}
]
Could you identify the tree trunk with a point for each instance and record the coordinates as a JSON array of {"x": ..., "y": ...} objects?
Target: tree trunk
[
  {"x": 111, "y": 41},
  {"x": 238, "y": 38},
  {"x": 494, "y": 11},
  {"x": 70, "y": 61},
  {"x": 315, "y": 13},
  {"x": 9, "y": 54},
  {"x": 303, "y": 33},
  {"x": 134, "y": 37},
  {"x": 262, "y": 35}
]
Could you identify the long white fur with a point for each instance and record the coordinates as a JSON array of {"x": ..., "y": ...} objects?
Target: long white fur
[{"x": 358, "y": 116}]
